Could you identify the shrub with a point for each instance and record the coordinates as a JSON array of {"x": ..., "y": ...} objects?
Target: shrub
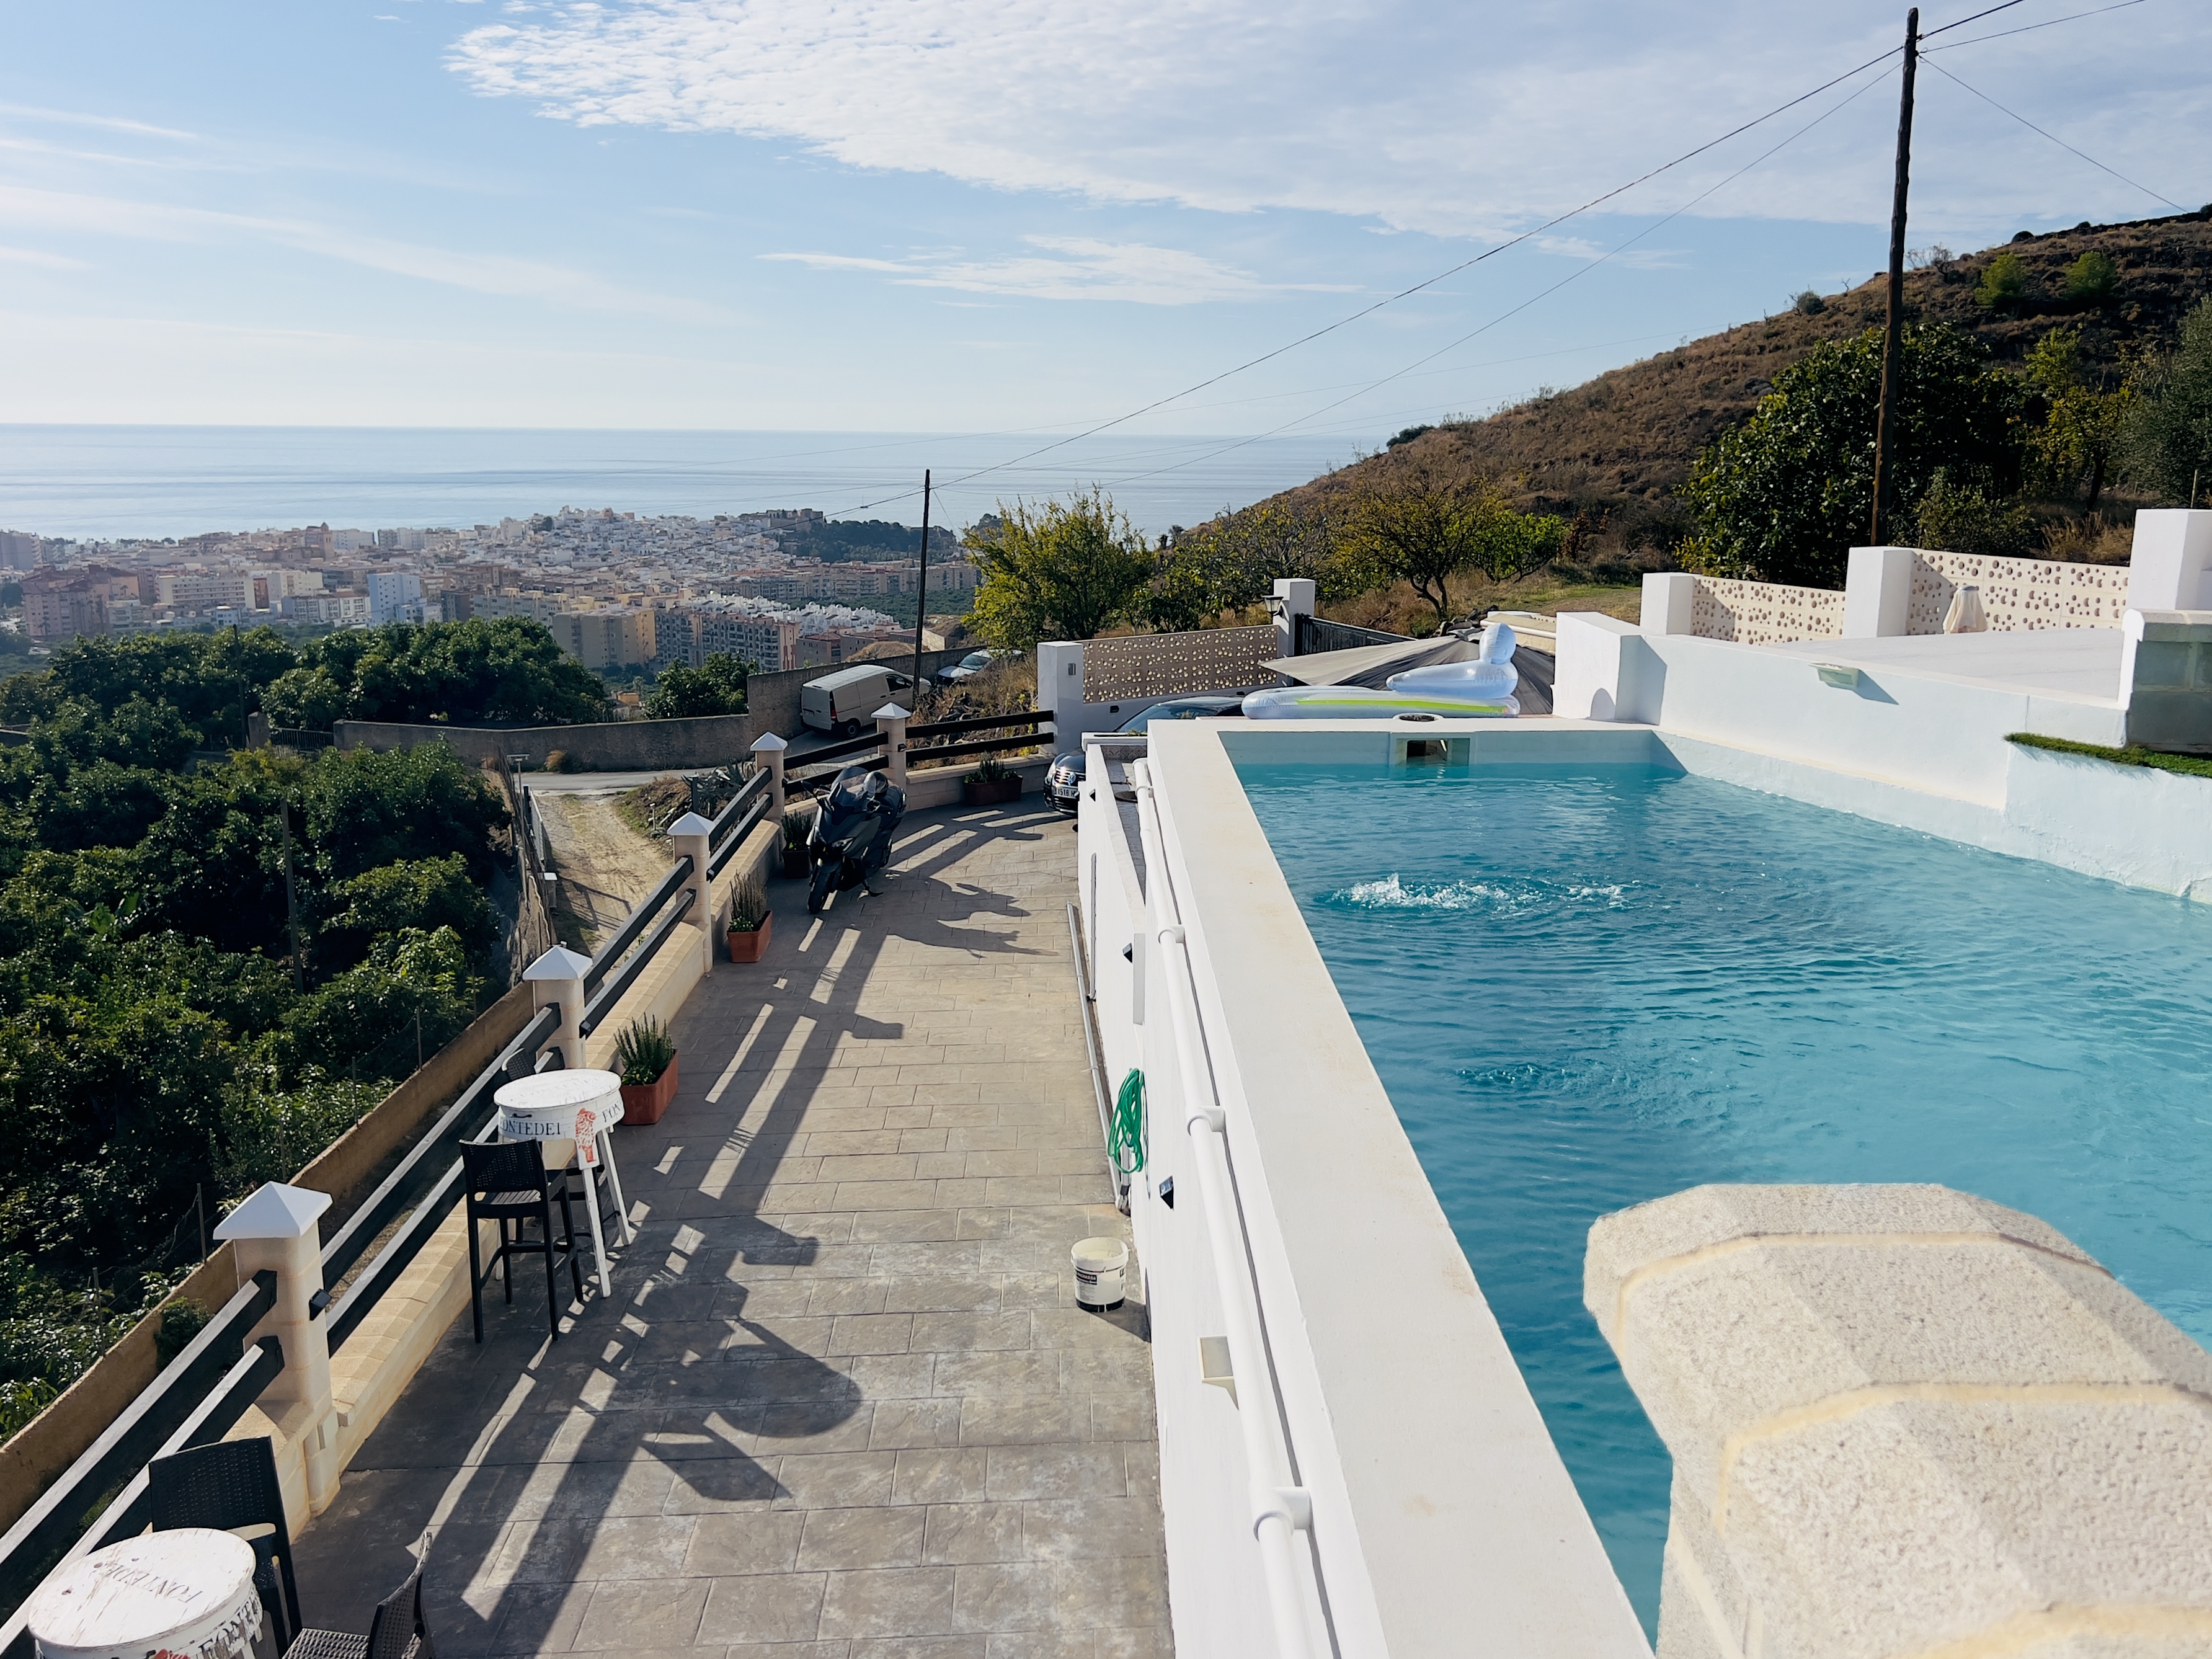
[
  {"x": 557, "y": 760},
  {"x": 798, "y": 824},
  {"x": 181, "y": 1321},
  {"x": 1960, "y": 518},
  {"x": 2092, "y": 276},
  {"x": 2004, "y": 282},
  {"x": 271, "y": 1133},
  {"x": 748, "y": 906},
  {"x": 990, "y": 771},
  {"x": 643, "y": 1052},
  {"x": 1409, "y": 435},
  {"x": 1809, "y": 304}
]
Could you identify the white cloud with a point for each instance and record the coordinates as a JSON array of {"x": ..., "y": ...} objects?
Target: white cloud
[
  {"x": 1460, "y": 120},
  {"x": 32, "y": 256},
  {"x": 484, "y": 273},
  {"x": 1068, "y": 268}
]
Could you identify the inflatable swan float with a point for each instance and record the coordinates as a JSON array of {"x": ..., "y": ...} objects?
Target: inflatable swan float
[{"x": 1481, "y": 689}]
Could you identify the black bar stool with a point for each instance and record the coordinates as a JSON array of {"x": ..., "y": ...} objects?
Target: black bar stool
[{"x": 510, "y": 1184}]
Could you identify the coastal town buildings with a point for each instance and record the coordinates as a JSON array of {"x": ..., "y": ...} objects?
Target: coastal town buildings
[{"x": 618, "y": 592}]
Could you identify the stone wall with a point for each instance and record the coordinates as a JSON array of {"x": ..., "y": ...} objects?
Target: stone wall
[
  {"x": 1764, "y": 613},
  {"x": 1905, "y": 1420},
  {"x": 1136, "y": 666},
  {"x": 628, "y": 745},
  {"x": 2017, "y": 593}
]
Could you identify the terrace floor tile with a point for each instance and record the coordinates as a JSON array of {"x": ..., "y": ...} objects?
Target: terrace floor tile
[{"x": 842, "y": 1406}]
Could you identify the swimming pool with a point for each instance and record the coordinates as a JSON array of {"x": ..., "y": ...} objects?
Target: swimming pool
[{"x": 1587, "y": 987}]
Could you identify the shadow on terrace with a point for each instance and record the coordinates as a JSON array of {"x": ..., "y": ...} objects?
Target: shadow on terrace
[{"x": 842, "y": 1393}]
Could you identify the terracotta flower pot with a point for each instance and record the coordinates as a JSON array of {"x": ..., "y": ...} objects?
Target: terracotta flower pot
[
  {"x": 750, "y": 947},
  {"x": 644, "y": 1102},
  {"x": 990, "y": 794}
]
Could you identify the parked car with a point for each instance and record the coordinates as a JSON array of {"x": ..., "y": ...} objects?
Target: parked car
[
  {"x": 1063, "y": 781},
  {"x": 973, "y": 663},
  {"x": 847, "y": 699}
]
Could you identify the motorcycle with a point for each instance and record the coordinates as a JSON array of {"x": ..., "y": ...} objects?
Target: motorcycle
[{"x": 851, "y": 838}]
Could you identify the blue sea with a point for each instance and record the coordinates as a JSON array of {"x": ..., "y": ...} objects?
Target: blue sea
[
  {"x": 1584, "y": 989},
  {"x": 109, "y": 481}
]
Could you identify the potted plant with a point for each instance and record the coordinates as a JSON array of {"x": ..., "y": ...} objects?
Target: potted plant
[
  {"x": 645, "y": 1054},
  {"x": 990, "y": 785},
  {"x": 797, "y": 823},
  {"x": 749, "y": 921}
]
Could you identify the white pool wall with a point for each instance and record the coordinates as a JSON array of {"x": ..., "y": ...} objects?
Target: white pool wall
[{"x": 1444, "y": 1521}]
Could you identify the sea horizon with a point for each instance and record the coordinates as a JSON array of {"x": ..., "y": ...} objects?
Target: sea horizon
[{"x": 106, "y": 483}]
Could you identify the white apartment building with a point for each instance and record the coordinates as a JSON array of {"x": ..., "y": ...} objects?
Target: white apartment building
[
  {"x": 196, "y": 593},
  {"x": 766, "y": 638},
  {"x": 339, "y": 610},
  {"x": 394, "y": 596}
]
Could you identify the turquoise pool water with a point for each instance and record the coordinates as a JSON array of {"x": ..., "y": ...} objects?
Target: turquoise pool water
[{"x": 1585, "y": 989}]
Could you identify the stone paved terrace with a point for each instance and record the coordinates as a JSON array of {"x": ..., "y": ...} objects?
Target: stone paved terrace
[{"x": 842, "y": 1406}]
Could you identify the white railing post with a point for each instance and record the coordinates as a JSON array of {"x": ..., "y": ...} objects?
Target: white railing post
[
  {"x": 1279, "y": 1509},
  {"x": 689, "y": 835},
  {"x": 1877, "y": 593},
  {"x": 768, "y": 749},
  {"x": 1293, "y": 598},
  {"x": 1668, "y": 599},
  {"x": 891, "y": 722},
  {"x": 559, "y": 976},
  {"x": 277, "y": 1229}
]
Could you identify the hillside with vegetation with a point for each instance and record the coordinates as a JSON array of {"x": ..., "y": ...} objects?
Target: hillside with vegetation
[{"x": 1619, "y": 447}]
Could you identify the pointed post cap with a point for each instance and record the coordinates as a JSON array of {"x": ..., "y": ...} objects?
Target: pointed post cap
[
  {"x": 274, "y": 1211},
  {"x": 769, "y": 744},
  {"x": 890, "y": 711},
  {"x": 691, "y": 824},
  {"x": 559, "y": 963}
]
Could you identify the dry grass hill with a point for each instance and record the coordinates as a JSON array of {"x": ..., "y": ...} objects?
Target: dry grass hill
[{"x": 1616, "y": 447}]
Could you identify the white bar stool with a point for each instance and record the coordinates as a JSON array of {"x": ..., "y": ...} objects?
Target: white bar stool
[{"x": 571, "y": 1112}]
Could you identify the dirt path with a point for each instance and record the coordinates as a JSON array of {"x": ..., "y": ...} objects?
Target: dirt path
[{"x": 604, "y": 866}]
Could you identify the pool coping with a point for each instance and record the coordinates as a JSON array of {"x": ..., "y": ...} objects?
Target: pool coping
[{"x": 1414, "y": 1421}]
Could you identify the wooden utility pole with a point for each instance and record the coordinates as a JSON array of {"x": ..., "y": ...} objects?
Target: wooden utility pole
[
  {"x": 1893, "y": 339},
  {"x": 921, "y": 597}
]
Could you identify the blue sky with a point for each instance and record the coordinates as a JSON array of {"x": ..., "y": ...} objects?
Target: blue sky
[{"x": 924, "y": 216}]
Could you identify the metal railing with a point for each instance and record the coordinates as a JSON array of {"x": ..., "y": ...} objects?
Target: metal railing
[
  {"x": 1314, "y": 635},
  {"x": 416, "y": 1188},
  {"x": 746, "y": 808},
  {"x": 102, "y": 1496},
  {"x": 603, "y": 1001},
  {"x": 635, "y": 924},
  {"x": 1280, "y": 1509}
]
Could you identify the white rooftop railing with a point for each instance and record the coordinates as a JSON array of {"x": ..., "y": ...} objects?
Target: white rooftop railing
[{"x": 1279, "y": 1508}]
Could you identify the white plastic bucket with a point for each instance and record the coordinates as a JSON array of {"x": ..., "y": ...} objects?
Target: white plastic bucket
[{"x": 1101, "y": 1272}]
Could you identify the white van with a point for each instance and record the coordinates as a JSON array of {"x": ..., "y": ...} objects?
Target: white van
[{"x": 846, "y": 701}]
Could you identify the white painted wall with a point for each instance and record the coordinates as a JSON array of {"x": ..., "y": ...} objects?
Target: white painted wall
[
  {"x": 1059, "y": 688},
  {"x": 2170, "y": 569}
]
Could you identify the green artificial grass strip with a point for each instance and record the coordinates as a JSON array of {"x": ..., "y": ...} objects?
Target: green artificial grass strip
[{"x": 2189, "y": 766}]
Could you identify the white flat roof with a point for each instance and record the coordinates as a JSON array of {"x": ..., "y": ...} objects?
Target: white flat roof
[{"x": 2079, "y": 663}]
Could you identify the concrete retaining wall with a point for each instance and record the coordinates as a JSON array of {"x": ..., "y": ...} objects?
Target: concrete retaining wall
[
  {"x": 628, "y": 745},
  {"x": 1907, "y": 1420}
]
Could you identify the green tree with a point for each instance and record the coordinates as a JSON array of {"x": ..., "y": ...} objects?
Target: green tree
[
  {"x": 1424, "y": 530},
  {"x": 421, "y": 894},
  {"x": 364, "y": 1022},
  {"x": 717, "y": 686},
  {"x": 1783, "y": 497},
  {"x": 213, "y": 681},
  {"x": 1962, "y": 519},
  {"x": 270, "y": 1133},
  {"x": 102, "y": 805},
  {"x": 2168, "y": 433},
  {"x": 2081, "y": 430},
  {"x": 134, "y": 732},
  {"x": 502, "y": 671},
  {"x": 2092, "y": 276},
  {"x": 2004, "y": 282},
  {"x": 364, "y": 809},
  {"x": 1064, "y": 570}
]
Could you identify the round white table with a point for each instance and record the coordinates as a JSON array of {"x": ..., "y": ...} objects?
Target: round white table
[
  {"x": 187, "y": 1594},
  {"x": 571, "y": 1113}
]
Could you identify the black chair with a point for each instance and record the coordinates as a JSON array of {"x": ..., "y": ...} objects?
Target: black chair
[
  {"x": 396, "y": 1632},
  {"x": 227, "y": 1487},
  {"x": 510, "y": 1184}
]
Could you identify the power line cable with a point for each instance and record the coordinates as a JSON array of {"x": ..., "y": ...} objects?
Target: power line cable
[
  {"x": 2061, "y": 143},
  {"x": 1367, "y": 311},
  {"x": 2030, "y": 28},
  {"x": 1930, "y": 34},
  {"x": 1544, "y": 294}
]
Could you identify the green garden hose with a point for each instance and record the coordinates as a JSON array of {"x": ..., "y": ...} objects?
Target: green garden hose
[{"x": 1124, "y": 1144}]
